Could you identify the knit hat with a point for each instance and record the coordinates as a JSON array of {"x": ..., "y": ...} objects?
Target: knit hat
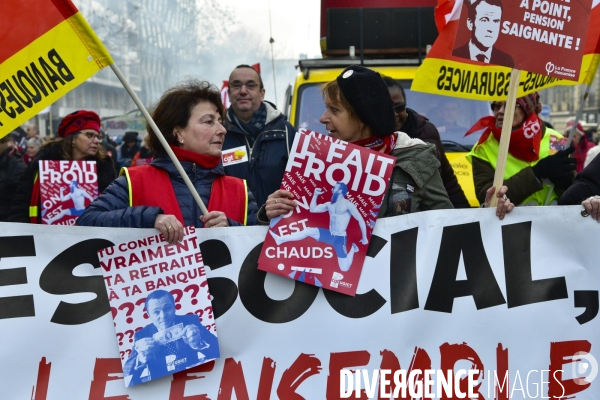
[
  {"x": 578, "y": 128},
  {"x": 368, "y": 95},
  {"x": 78, "y": 121},
  {"x": 130, "y": 137},
  {"x": 530, "y": 103}
]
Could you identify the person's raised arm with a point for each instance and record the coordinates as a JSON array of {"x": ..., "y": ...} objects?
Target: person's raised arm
[{"x": 314, "y": 207}]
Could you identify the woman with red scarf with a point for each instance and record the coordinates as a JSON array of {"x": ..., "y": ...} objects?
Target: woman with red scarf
[
  {"x": 359, "y": 110},
  {"x": 190, "y": 117},
  {"x": 538, "y": 167}
]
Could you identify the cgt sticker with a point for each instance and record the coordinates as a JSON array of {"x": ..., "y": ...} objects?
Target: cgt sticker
[{"x": 234, "y": 156}]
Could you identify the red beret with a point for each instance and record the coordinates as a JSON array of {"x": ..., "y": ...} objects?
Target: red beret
[{"x": 78, "y": 121}]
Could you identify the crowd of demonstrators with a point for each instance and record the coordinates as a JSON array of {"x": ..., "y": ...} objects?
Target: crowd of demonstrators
[
  {"x": 418, "y": 127},
  {"x": 111, "y": 149},
  {"x": 128, "y": 149},
  {"x": 145, "y": 155},
  {"x": 359, "y": 110},
  {"x": 537, "y": 169},
  {"x": 79, "y": 139},
  {"x": 258, "y": 128},
  {"x": 11, "y": 168},
  {"x": 190, "y": 115}
]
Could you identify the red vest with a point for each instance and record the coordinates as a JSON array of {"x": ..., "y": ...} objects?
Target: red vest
[{"x": 151, "y": 186}]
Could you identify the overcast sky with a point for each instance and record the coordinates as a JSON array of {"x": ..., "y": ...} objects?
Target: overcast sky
[{"x": 295, "y": 24}]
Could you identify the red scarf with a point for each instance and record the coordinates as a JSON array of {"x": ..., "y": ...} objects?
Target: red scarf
[
  {"x": 203, "y": 160},
  {"x": 524, "y": 141},
  {"x": 381, "y": 144}
]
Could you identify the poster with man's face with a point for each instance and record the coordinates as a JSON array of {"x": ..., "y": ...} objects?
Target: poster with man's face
[{"x": 542, "y": 36}]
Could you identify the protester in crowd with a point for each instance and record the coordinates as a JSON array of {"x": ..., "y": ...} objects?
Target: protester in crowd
[
  {"x": 79, "y": 139},
  {"x": 580, "y": 142},
  {"x": 128, "y": 148},
  {"x": 33, "y": 146},
  {"x": 110, "y": 148},
  {"x": 536, "y": 161},
  {"x": 145, "y": 155},
  {"x": 591, "y": 154},
  {"x": 11, "y": 168},
  {"x": 259, "y": 130},
  {"x": 419, "y": 127},
  {"x": 359, "y": 110},
  {"x": 585, "y": 190},
  {"x": 20, "y": 139},
  {"x": 190, "y": 117}
]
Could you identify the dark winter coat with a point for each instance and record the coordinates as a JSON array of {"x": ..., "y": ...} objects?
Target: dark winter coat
[
  {"x": 416, "y": 184},
  {"x": 11, "y": 168},
  {"x": 419, "y": 127},
  {"x": 267, "y": 154},
  {"x": 19, "y": 211},
  {"x": 112, "y": 208},
  {"x": 586, "y": 184}
]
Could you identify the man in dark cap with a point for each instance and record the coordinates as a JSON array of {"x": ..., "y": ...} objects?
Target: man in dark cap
[{"x": 128, "y": 148}]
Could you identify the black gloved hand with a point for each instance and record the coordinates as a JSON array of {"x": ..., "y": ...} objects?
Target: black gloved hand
[{"x": 558, "y": 167}]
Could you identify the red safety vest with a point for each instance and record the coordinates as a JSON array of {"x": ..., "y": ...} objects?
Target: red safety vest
[{"x": 151, "y": 186}]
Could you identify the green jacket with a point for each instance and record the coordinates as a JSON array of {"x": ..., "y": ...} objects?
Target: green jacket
[{"x": 416, "y": 184}]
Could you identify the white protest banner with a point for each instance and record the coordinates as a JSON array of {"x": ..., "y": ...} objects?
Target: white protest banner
[{"x": 452, "y": 289}]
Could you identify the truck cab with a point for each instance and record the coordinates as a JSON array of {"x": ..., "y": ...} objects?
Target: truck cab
[{"x": 392, "y": 40}]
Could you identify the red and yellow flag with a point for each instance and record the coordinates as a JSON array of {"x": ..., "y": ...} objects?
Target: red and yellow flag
[
  {"x": 442, "y": 73},
  {"x": 47, "y": 49}
]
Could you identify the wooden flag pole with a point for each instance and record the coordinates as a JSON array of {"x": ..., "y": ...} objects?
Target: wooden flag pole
[
  {"x": 509, "y": 113},
  {"x": 160, "y": 136}
]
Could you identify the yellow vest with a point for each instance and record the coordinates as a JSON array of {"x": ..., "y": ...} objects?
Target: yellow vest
[{"x": 488, "y": 151}]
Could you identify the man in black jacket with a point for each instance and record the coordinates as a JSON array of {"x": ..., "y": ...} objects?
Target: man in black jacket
[
  {"x": 419, "y": 127},
  {"x": 11, "y": 168},
  {"x": 258, "y": 139}
]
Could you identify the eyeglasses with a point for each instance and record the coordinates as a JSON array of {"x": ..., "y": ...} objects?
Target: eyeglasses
[
  {"x": 499, "y": 105},
  {"x": 399, "y": 108},
  {"x": 237, "y": 85},
  {"x": 92, "y": 135}
]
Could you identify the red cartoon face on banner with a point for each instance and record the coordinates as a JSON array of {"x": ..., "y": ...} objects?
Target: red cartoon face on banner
[{"x": 542, "y": 36}]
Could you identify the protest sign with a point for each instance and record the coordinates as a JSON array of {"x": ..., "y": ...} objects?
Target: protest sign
[
  {"x": 339, "y": 188},
  {"x": 159, "y": 330},
  {"x": 448, "y": 289},
  {"x": 542, "y": 36},
  {"x": 66, "y": 189},
  {"x": 445, "y": 74}
]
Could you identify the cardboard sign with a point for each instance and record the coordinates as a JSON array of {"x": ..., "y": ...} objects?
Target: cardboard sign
[
  {"x": 541, "y": 36},
  {"x": 339, "y": 188},
  {"x": 160, "y": 303},
  {"x": 66, "y": 189}
]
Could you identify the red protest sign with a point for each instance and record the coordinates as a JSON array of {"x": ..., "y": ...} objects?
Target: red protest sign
[
  {"x": 339, "y": 188},
  {"x": 542, "y": 36}
]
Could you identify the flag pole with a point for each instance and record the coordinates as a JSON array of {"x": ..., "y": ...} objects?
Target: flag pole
[
  {"x": 509, "y": 113},
  {"x": 160, "y": 137}
]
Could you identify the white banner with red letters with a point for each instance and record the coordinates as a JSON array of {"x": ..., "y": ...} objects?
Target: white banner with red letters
[{"x": 440, "y": 290}]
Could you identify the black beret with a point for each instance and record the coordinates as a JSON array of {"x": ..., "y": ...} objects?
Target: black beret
[{"x": 370, "y": 98}]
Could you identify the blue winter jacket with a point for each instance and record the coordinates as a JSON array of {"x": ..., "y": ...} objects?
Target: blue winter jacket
[
  {"x": 267, "y": 157},
  {"x": 111, "y": 209}
]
